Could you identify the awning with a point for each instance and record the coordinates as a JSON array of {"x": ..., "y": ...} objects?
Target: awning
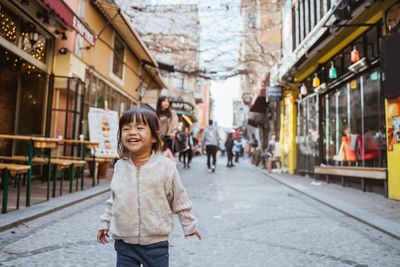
[
  {"x": 185, "y": 114},
  {"x": 158, "y": 82},
  {"x": 70, "y": 18},
  {"x": 124, "y": 28},
  {"x": 259, "y": 102},
  {"x": 256, "y": 118}
]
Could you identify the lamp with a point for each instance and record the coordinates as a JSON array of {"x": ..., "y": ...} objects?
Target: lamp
[
  {"x": 303, "y": 89},
  {"x": 316, "y": 82},
  {"x": 63, "y": 36},
  {"x": 355, "y": 56},
  {"x": 332, "y": 71},
  {"x": 30, "y": 30}
]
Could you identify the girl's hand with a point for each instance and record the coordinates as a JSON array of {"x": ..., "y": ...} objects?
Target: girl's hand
[
  {"x": 195, "y": 233},
  {"x": 101, "y": 236}
]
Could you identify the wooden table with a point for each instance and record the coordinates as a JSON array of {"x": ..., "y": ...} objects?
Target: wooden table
[
  {"x": 86, "y": 144},
  {"x": 33, "y": 141}
]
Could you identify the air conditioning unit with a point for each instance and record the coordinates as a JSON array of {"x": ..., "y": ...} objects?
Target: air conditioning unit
[{"x": 359, "y": 66}]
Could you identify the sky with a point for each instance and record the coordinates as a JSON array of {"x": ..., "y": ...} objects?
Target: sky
[
  {"x": 224, "y": 93},
  {"x": 220, "y": 37}
]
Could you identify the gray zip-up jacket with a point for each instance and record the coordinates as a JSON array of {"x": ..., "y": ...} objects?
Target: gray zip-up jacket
[
  {"x": 210, "y": 136},
  {"x": 143, "y": 201}
]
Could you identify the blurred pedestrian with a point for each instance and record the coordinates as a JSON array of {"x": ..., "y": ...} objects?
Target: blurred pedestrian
[
  {"x": 268, "y": 154},
  {"x": 222, "y": 147},
  {"x": 139, "y": 232},
  {"x": 168, "y": 122},
  {"x": 253, "y": 143},
  {"x": 188, "y": 148},
  {"x": 209, "y": 141},
  {"x": 237, "y": 147},
  {"x": 229, "y": 146}
]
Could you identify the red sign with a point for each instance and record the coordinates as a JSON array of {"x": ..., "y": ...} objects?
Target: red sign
[{"x": 69, "y": 16}]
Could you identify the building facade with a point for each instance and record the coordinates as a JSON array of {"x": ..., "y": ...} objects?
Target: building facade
[
  {"x": 172, "y": 34},
  {"x": 331, "y": 72},
  {"x": 259, "y": 52},
  {"x": 61, "y": 57}
]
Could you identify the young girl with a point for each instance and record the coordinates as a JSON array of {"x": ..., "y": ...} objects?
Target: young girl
[{"x": 145, "y": 191}]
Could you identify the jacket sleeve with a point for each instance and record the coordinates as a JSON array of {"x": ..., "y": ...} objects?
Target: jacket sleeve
[
  {"x": 181, "y": 205},
  {"x": 106, "y": 217},
  {"x": 173, "y": 124}
]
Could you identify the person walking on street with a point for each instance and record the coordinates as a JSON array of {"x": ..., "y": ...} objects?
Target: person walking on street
[
  {"x": 229, "y": 146},
  {"x": 187, "y": 150},
  {"x": 141, "y": 223},
  {"x": 209, "y": 140},
  {"x": 237, "y": 146},
  {"x": 222, "y": 147},
  {"x": 168, "y": 122}
]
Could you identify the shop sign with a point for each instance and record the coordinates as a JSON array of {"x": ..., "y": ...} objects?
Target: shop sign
[
  {"x": 66, "y": 13},
  {"x": 83, "y": 31},
  {"x": 274, "y": 93},
  {"x": 182, "y": 106}
]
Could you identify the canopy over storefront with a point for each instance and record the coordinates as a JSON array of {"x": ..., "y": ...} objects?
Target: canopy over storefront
[{"x": 259, "y": 102}]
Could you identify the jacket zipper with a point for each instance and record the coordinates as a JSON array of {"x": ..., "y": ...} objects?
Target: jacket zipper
[{"x": 137, "y": 187}]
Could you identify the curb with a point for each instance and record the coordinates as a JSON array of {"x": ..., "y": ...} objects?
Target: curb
[
  {"x": 18, "y": 217},
  {"x": 383, "y": 225}
]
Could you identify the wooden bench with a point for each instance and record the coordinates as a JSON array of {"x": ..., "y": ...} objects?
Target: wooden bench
[
  {"x": 353, "y": 171},
  {"x": 12, "y": 169},
  {"x": 21, "y": 158}
]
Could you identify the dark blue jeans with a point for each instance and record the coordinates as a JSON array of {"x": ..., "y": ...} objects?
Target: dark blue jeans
[{"x": 153, "y": 255}]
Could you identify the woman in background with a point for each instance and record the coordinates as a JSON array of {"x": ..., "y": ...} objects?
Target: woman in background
[{"x": 168, "y": 121}]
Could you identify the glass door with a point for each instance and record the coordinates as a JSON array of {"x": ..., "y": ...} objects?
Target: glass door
[{"x": 308, "y": 134}]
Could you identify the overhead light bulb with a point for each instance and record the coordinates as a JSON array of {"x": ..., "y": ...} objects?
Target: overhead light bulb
[
  {"x": 332, "y": 72},
  {"x": 316, "y": 82},
  {"x": 355, "y": 56}
]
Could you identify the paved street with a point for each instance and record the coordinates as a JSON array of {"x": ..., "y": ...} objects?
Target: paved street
[{"x": 245, "y": 219}]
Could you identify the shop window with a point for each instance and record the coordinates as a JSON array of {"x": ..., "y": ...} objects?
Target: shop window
[
  {"x": 9, "y": 25},
  {"x": 353, "y": 123},
  {"x": 33, "y": 42},
  {"x": 118, "y": 57}
]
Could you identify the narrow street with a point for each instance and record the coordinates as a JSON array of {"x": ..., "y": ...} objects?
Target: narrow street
[{"x": 245, "y": 219}]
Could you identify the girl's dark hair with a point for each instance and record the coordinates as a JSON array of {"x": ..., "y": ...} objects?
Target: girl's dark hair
[
  {"x": 159, "y": 111},
  {"x": 139, "y": 115}
]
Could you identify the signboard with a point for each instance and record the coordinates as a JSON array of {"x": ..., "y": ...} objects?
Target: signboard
[
  {"x": 182, "y": 106},
  {"x": 274, "y": 93},
  {"x": 103, "y": 129},
  {"x": 66, "y": 13}
]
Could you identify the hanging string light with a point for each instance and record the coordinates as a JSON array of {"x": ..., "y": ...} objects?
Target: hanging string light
[
  {"x": 355, "y": 56},
  {"x": 8, "y": 29},
  {"x": 303, "y": 89},
  {"x": 316, "y": 82},
  {"x": 332, "y": 71}
]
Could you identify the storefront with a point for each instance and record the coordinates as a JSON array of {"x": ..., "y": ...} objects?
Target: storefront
[
  {"x": 184, "y": 110},
  {"x": 26, "y": 56},
  {"x": 342, "y": 120}
]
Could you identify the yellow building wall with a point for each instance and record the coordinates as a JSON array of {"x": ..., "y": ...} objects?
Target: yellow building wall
[
  {"x": 288, "y": 132},
  {"x": 393, "y": 157},
  {"x": 99, "y": 57}
]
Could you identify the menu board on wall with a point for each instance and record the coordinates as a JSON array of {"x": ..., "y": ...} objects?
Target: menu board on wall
[{"x": 103, "y": 129}]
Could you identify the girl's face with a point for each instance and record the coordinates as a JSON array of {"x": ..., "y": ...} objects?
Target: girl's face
[
  {"x": 165, "y": 104},
  {"x": 137, "y": 138}
]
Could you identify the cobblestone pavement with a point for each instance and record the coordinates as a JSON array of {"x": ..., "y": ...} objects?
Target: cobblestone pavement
[{"x": 245, "y": 219}]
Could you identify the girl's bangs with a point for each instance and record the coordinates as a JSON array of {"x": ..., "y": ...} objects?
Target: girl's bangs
[{"x": 134, "y": 116}]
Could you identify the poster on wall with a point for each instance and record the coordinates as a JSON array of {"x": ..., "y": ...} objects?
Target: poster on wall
[{"x": 103, "y": 128}]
